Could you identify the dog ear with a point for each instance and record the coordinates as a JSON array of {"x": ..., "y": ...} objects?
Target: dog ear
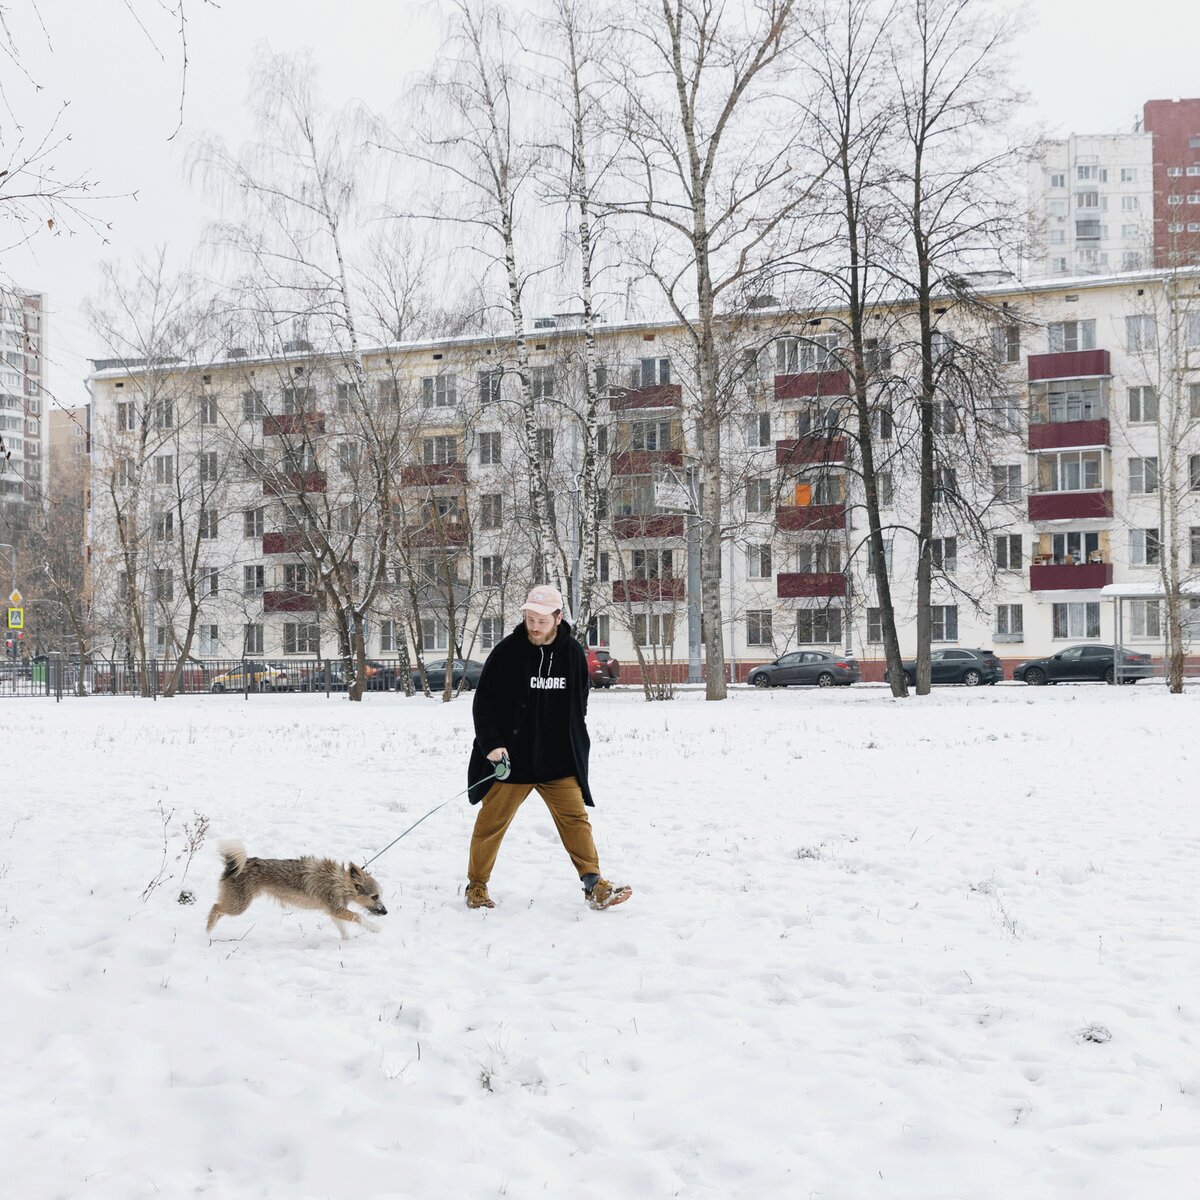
[{"x": 355, "y": 872}]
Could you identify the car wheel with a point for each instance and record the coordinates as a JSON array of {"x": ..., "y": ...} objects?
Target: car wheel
[
  {"x": 1035, "y": 676},
  {"x": 265, "y": 686},
  {"x": 1110, "y": 676},
  {"x": 824, "y": 679},
  {"x": 911, "y": 680},
  {"x": 466, "y": 685},
  {"x": 761, "y": 681},
  {"x": 972, "y": 678},
  {"x": 217, "y": 688}
]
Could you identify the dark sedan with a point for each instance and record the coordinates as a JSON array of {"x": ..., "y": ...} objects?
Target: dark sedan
[
  {"x": 435, "y": 673},
  {"x": 1078, "y": 664},
  {"x": 969, "y": 667},
  {"x": 806, "y": 667},
  {"x": 380, "y": 678}
]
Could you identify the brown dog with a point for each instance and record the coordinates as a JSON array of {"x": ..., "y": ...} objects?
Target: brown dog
[{"x": 300, "y": 882}]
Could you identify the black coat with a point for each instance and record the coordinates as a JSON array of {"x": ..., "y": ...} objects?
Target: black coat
[{"x": 502, "y": 698}]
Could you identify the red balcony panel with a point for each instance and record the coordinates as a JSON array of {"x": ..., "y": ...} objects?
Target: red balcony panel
[
  {"x": 449, "y": 533},
  {"x": 1081, "y": 577},
  {"x": 803, "y": 584},
  {"x": 433, "y": 474},
  {"x": 1068, "y": 506},
  {"x": 294, "y": 481},
  {"x": 791, "y": 518},
  {"x": 1068, "y": 433},
  {"x": 812, "y": 384},
  {"x": 639, "y": 591},
  {"x": 1069, "y": 364},
  {"x": 283, "y": 543},
  {"x": 643, "y": 462},
  {"x": 294, "y": 423},
  {"x": 662, "y": 525},
  {"x": 812, "y": 448},
  {"x": 289, "y": 602},
  {"x": 654, "y": 395}
]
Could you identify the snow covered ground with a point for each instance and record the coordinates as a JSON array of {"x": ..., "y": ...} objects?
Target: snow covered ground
[{"x": 935, "y": 949}]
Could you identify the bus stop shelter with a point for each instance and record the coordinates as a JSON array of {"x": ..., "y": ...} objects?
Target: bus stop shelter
[{"x": 1122, "y": 594}]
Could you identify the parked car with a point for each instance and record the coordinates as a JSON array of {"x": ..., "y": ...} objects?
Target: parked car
[
  {"x": 956, "y": 665},
  {"x": 380, "y": 677},
  {"x": 804, "y": 667},
  {"x": 1079, "y": 663},
  {"x": 603, "y": 669},
  {"x": 259, "y": 677},
  {"x": 435, "y": 673}
]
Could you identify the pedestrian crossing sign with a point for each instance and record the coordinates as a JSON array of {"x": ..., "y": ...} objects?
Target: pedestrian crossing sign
[{"x": 16, "y": 618}]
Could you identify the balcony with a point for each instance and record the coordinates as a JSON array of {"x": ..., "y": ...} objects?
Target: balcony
[
  {"x": 648, "y": 526},
  {"x": 1058, "y": 434},
  {"x": 810, "y": 583},
  {"x": 1082, "y": 577},
  {"x": 643, "y": 462},
  {"x": 289, "y": 602},
  {"x": 293, "y": 423},
  {"x": 810, "y": 385},
  {"x": 1068, "y": 506},
  {"x": 283, "y": 543},
  {"x": 1069, "y": 364},
  {"x": 811, "y": 448},
  {"x": 293, "y": 481},
  {"x": 653, "y": 395},
  {"x": 432, "y": 533},
  {"x": 433, "y": 474},
  {"x": 795, "y": 518},
  {"x": 642, "y": 591}
]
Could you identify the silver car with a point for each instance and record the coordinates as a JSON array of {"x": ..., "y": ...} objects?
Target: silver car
[{"x": 816, "y": 667}]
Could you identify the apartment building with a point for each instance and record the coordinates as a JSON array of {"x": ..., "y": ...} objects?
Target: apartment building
[
  {"x": 1174, "y": 126},
  {"x": 22, "y": 358},
  {"x": 1091, "y": 374}
]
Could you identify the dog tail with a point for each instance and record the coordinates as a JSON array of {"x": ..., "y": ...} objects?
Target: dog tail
[{"x": 234, "y": 854}]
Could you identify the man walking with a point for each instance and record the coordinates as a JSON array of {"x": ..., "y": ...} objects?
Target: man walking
[{"x": 530, "y": 708}]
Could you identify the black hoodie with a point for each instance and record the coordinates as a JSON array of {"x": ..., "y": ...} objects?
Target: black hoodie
[{"x": 532, "y": 700}]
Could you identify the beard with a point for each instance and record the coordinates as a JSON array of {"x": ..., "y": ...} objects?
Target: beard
[{"x": 541, "y": 639}]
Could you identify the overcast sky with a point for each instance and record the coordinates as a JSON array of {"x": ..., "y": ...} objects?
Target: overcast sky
[{"x": 1089, "y": 65}]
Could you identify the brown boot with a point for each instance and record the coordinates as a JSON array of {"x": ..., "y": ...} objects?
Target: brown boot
[
  {"x": 477, "y": 896},
  {"x": 605, "y": 894}
]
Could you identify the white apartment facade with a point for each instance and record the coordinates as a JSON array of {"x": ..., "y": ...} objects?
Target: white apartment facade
[
  {"x": 1092, "y": 200},
  {"x": 1090, "y": 369},
  {"x": 22, "y": 386}
]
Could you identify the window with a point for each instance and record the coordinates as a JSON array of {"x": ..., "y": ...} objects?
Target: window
[
  {"x": 1194, "y": 169},
  {"x": 1129, "y": 231},
  {"x": 210, "y": 581},
  {"x": 164, "y": 414},
  {"x": 301, "y": 637},
  {"x": 491, "y": 571},
  {"x": 944, "y": 554},
  {"x": 758, "y": 430},
  {"x": 1076, "y": 620},
  {"x": 1193, "y": 198},
  {"x": 1058, "y": 265},
  {"x": 387, "y": 636},
  {"x": 164, "y": 526},
  {"x": 1194, "y": 472},
  {"x": 653, "y": 564},
  {"x": 1194, "y": 541},
  {"x": 1090, "y": 200},
  {"x": 1140, "y": 334},
  {"x": 654, "y": 629},
  {"x": 439, "y": 391},
  {"x": 882, "y": 424},
  {"x": 1006, "y": 484},
  {"x": 1071, "y": 335},
  {"x": 207, "y": 408},
  {"x": 1058, "y": 180},
  {"x": 758, "y": 495},
  {"x": 796, "y": 355},
  {"x": 252, "y": 639},
  {"x": 254, "y": 464},
  {"x": 598, "y": 631},
  {"x": 1130, "y": 204},
  {"x": 489, "y": 449},
  {"x": 758, "y": 561},
  {"x": 758, "y": 627},
  {"x": 602, "y": 567},
  {"x": 883, "y": 485},
  {"x": 1087, "y": 231},
  {"x": 253, "y": 408},
  {"x": 1129, "y": 174},
  {"x": 647, "y": 372},
  {"x": 545, "y": 446},
  {"x": 1175, "y": 227},
  {"x": 601, "y": 440},
  {"x": 1070, "y": 471},
  {"x": 1146, "y": 618},
  {"x": 887, "y": 556},
  {"x": 125, "y": 416},
  {"x": 817, "y": 558},
  {"x": 816, "y": 418},
  {"x": 252, "y": 579},
  {"x": 1131, "y": 260},
  {"x": 541, "y": 383},
  {"x": 1010, "y": 623},
  {"x": 297, "y": 400},
  {"x": 252, "y": 522},
  {"x": 1143, "y": 476},
  {"x": 652, "y": 435},
  {"x": 437, "y": 450},
  {"x": 347, "y": 457},
  {"x": 945, "y": 485},
  {"x": 1069, "y": 400},
  {"x": 208, "y": 524},
  {"x": 491, "y": 511},
  {"x": 945, "y": 417},
  {"x": 819, "y": 626},
  {"x": 164, "y": 584},
  {"x": 944, "y": 619},
  {"x": 877, "y": 355},
  {"x": 1008, "y": 551},
  {"x": 125, "y": 472},
  {"x": 164, "y": 468},
  {"x": 1058, "y": 237},
  {"x": 1143, "y": 404},
  {"x": 1194, "y": 401},
  {"x": 1094, "y": 173},
  {"x": 489, "y": 387},
  {"x": 295, "y": 577},
  {"x": 209, "y": 472},
  {"x": 1144, "y": 547},
  {"x": 874, "y": 624},
  {"x": 1006, "y": 341}
]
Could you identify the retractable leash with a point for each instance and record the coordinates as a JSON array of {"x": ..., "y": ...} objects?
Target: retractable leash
[{"x": 501, "y": 771}]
